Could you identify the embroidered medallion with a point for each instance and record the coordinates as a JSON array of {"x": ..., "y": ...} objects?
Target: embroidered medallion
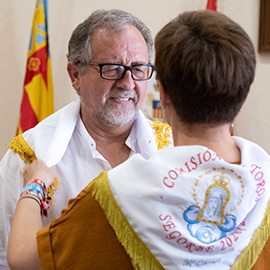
[
  {"x": 210, "y": 222},
  {"x": 216, "y": 199}
]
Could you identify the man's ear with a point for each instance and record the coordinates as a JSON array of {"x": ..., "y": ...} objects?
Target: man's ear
[
  {"x": 164, "y": 98},
  {"x": 74, "y": 76}
]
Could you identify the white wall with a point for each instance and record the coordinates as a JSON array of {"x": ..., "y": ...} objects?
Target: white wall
[{"x": 15, "y": 25}]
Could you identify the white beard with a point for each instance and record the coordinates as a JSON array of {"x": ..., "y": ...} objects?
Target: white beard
[{"x": 113, "y": 114}]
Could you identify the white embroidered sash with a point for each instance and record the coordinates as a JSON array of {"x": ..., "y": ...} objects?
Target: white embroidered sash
[{"x": 190, "y": 207}]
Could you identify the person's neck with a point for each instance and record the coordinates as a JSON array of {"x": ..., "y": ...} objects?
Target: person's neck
[
  {"x": 110, "y": 140},
  {"x": 216, "y": 138}
]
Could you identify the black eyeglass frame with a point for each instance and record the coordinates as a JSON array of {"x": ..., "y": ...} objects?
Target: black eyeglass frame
[{"x": 125, "y": 67}]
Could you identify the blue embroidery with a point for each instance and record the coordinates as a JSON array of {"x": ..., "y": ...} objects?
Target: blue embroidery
[{"x": 207, "y": 232}]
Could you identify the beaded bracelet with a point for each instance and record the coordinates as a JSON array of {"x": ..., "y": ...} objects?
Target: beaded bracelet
[
  {"x": 36, "y": 189},
  {"x": 37, "y": 181}
]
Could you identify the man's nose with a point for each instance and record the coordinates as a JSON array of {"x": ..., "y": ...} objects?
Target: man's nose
[{"x": 126, "y": 83}]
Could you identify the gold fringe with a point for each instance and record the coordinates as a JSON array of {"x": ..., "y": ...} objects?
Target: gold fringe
[
  {"x": 140, "y": 255},
  {"x": 163, "y": 134},
  {"x": 52, "y": 189},
  {"x": 21, "y": 147},
  {"x": 249, "y": 256}
]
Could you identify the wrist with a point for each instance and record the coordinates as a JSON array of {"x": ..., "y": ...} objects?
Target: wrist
[{"x": 35, "y": 189}]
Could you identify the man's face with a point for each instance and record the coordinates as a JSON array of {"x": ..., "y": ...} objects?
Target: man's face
[{"x": 113, "y": 102}]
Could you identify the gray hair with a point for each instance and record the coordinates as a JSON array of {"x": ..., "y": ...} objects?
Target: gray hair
[{"x": 79, "y": 47}]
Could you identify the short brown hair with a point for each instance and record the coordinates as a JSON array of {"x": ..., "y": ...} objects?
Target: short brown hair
[{"x": 206, "y": 64}]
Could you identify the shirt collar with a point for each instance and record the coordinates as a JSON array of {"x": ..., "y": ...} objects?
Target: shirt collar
[{"x": 140, "y": 140}]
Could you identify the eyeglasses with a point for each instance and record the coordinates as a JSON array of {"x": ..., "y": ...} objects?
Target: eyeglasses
[{"x": 139, "y": 72}]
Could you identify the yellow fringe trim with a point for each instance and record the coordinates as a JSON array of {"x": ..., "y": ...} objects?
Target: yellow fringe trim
[
  {"x": 21, "y": 147},
  {"x": 52, "y": 189},
  {"x": 249, "y": 256},
  {"x": 163, "y": 134},
  {"x": 140, "y": 255}
]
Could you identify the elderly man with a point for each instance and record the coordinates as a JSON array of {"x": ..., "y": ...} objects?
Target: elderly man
[{"x": 109, "y": 65}]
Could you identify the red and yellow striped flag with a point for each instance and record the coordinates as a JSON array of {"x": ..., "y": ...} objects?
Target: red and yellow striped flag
[
  {"x": 211, "y": 5},
  {"x": 37, "y": 101}
]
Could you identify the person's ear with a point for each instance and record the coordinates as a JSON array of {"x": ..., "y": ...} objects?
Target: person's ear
[
  {"x": 164, "y": 98},
  {"x": 74, "y": 76}
]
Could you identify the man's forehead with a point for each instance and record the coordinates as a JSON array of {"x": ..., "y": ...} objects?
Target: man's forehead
[{"x": 113, "y": 43}]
